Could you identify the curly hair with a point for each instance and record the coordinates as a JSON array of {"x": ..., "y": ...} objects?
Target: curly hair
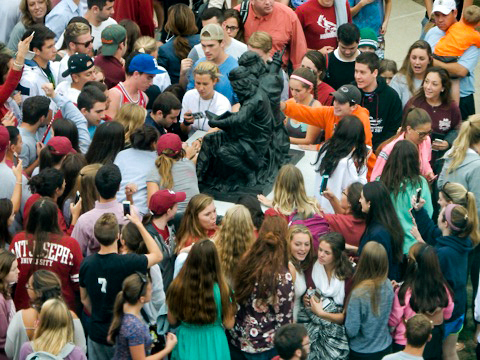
[{"x": 234, "y": 238}]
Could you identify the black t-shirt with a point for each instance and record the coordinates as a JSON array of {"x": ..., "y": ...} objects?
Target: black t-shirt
[
  {"x": 339, "y": 72},
  {"x": 102, "y": 276}
]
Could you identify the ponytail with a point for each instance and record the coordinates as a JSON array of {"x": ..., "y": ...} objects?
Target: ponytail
[
  {"x": 164, "y": 164},
  {"x": 473, "y": 216},
  {"x": 468, "y": 135},
  {"x": 48, "y": 159},
  {"x": 458, "y": 221},
  {"x": 118, "y": 313}
]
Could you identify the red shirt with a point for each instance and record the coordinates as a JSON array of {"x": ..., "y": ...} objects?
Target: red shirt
[
  {"x": 319, "y": 24},
  {"x": 324, "y": 94},
  {"x": 351, "y": 228},
  {"x": 165, "y": 233},
  {"x": 6, "y": 90},
  {"x": 140, "y": 11},
  {"x": 283, "y": 25},
  {"x": 62, "y": 256},
  {"x": 112, "y": 69},
  {"x": 273, "y": 212},
  {"x": 61, "y": 220}
]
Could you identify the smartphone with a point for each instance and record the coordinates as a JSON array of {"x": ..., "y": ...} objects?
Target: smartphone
[
  {"x": 323, "y": 186},
  {"x": 15, "y": 157},
  {"x": 317, "y": 295},
  {"x": 77, "y": 198},
  {"x": 126, "y": 208},
  {"x": 198, "y": 115},
  {"x": 417, "y": 197}
]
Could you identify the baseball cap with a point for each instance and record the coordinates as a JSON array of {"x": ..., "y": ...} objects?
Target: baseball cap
[
  {"x": 444, "y": 6},
  {"x": 163, "y": 200},
  {"x": 144, "y": 63},
  {"x": 169, "y": 141},
  {"x": 112, "y": 36},
  {"x": 4, "y": 141},
  {"x": 368, "y": 37},
  {"x": 78, "y": 63},
  {"x": 212, "y": 32},
  {"x": 348, "y": 93},
  {"x": 61, "y": 145}
]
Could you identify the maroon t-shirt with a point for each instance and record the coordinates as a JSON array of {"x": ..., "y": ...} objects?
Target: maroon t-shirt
[
  {"x": 324, "y": 94},
  {"x": 319, "y": 24},
  {"x": 112, "y": 69},
  {"x": 351, "y": 228}
]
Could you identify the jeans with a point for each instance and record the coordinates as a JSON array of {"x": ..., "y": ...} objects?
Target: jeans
[{"x": 97, "y": 351}]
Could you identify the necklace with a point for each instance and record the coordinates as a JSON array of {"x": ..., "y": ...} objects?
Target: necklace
[{"x": 204, "y": 115}]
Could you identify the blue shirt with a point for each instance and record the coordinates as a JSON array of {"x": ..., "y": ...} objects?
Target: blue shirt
[
  {"x": 468, "y": 60},
  {"x": 370, "y": 16},
  {"x": 57, "y": 19},
  {"x": 223, "y": 86}
]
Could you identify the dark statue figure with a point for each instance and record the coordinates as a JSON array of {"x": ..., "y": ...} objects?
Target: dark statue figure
[{"x": 253, "y": 143}]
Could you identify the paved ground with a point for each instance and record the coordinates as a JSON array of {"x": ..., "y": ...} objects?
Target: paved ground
[{"x": 404, "y": 29}]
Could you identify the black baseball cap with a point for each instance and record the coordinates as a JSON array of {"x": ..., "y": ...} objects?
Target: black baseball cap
[
  {"x": 78, "y": 63},
  {"x": 348, "y": 93}
]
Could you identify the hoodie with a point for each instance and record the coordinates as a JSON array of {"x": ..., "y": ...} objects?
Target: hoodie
[
  {"x": 385, "y": 108},
  {"x": 452, "y": 254},
  {"x": 467, "y": 174}
]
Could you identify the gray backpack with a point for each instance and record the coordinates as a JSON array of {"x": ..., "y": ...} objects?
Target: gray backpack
[{"x": 43, "y": 355}]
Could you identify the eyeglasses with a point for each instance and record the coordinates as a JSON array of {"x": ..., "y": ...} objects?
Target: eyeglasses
[
  {"x": 143, "y": 278},
  {"x": 87, "y": 43},
  {"x": 344, "y": 193},
  {"x": 423, "y": 134},
  {"x": 231, "y": 28},
  {"x": 28, "y": 287}
]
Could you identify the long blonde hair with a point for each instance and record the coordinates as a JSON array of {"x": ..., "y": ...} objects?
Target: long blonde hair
[
  {"x": 132, "y": 117},
  {"x": 55, "y": 328},
  {"x": 190, "y": 227},
  {"x": 457, "y": 194},
  {"x": 289, "y": 193},
  {"x": 468, "y": 135},
  {"x": 310, "y": 258},
  {"x": 234, "y": 238},
  {"x": 164, "y": 164},
  {"x": 371, "y": 273}
]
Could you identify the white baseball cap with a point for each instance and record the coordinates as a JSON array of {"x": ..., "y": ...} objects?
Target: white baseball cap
[{"x": 444, "y": 6}]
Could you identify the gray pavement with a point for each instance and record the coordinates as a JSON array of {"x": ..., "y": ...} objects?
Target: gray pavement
[{"x": 404, "y": 29}]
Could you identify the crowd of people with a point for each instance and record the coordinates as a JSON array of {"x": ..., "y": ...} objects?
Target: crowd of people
[{"x": 108, "y": 249}]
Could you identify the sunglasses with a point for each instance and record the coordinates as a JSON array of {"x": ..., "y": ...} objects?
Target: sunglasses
[
  {"x": 144, "y": 280},
  {"x": 87, "y": 43}
]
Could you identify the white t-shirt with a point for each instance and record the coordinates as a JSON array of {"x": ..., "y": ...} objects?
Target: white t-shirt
[
  {"x": 194, "y": 103},
  {"x": 162, "y": 80},
  {"x": 65, "y": 89},
  {"x": 62, "y": 66}
]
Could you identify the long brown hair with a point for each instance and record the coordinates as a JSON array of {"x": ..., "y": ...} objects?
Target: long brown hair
[
  {"x": 371, "y": 273},
  {"x": 6, "y": 260},
  {"x": 445, "y": 95},
  {"x": 190, "y": 297},
  {"x": 190, "y": 225},
  {"x": 342, "y": 266},
  {"x": 406, "y": 68},
  {"x": 86, "y": 186},
  {"x": 262, "y": 265},
  {"x": 310, "y": 258},
  {"x": 27, "y": 18},
  {"x": 181, "y": 23}
]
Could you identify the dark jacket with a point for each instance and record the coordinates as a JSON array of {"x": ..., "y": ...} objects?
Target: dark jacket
[
  {"x": 385, "y": 109},
  {"x": 453, "y": 256},
  {"x": 377, "y": 232}
]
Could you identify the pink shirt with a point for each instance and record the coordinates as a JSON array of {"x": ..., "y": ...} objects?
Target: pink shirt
[
  {"x": 405, "y": 312},
  {"x": 424, "y": 149},
  {"x": 284, "y": 27}
]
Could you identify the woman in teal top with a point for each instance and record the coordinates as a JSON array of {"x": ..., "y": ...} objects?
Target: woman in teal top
[
  {"x": 402, "y": 178},
  {"x": 199, "y": 298}
]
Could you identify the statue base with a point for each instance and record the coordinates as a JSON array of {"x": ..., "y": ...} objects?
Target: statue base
[{"x": 265, "y": 189}]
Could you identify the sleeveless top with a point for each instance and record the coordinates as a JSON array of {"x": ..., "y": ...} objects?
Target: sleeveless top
[
  {"x": 126, "y": 98},
  {"x": 296, "y": 129}
]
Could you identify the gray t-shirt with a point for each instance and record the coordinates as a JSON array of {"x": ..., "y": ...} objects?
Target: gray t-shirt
[
  {"x": 401, "y": 355},
  {"x": 399, "y": 84},
  {"x": 184, "y": 179},
  {"x": 29, "y": 148}
]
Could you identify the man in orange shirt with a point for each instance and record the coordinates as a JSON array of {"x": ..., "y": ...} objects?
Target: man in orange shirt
[
  {"x": 346, "y": 101},
  {"x": 281, "y": 23}
]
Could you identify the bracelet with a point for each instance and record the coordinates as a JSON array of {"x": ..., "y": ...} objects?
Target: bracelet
[
  {"x": 18, "y": 183},
  {"x": 17, "y": 64}
]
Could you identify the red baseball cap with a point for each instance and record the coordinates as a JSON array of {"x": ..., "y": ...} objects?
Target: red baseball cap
[
  {"x": 169, "y": 141},
  {"x": 61, "y": 145},
  {"x": 4, "y": 141},
  {"x": 163, "y": 200}
]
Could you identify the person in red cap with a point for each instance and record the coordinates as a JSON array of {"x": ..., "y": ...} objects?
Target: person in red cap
[
  {"x": 173, "y": 170},
  {"x": 163, "y": 206},
  {"x": 53, "y": 154}
]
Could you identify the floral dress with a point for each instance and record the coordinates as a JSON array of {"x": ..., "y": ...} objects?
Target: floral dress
[{"x": 257, "y": 320}]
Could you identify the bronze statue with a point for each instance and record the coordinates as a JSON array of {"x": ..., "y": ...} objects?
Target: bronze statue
[{"x": 253, "y": 143}]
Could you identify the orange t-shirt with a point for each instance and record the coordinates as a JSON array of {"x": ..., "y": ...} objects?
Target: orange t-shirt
[{"x": 458, "y": 38}]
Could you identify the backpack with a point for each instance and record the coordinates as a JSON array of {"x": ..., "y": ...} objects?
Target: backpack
[
  {"x": 43, "y": 355},
  {"x": 317, "y": 225}
]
